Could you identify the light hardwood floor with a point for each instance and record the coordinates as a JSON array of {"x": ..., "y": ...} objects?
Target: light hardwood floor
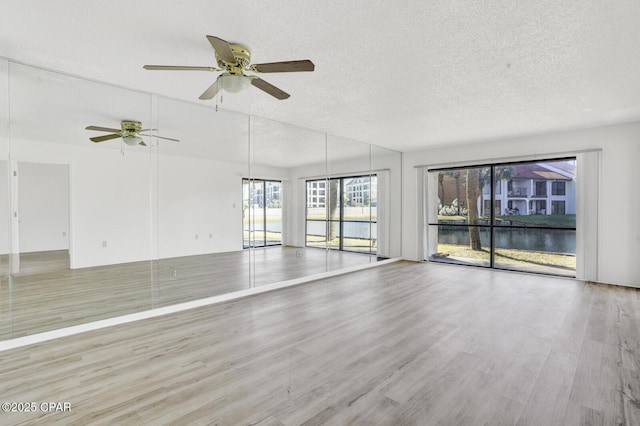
[
  {"x": 399, "y": 344},
  {"x": 47, "y": 295}
]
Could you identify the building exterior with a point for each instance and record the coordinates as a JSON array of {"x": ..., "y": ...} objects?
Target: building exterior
[
  {"x": 534, "y": 188},
  {"x": 316, "y": 193},
  {"x": 358, "y": 191}
]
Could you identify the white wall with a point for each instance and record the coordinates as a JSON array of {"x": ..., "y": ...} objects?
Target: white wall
[
  {"x": 619, "y": 236},
  {"x": 110, "y": 199},
  {"x": 114, "y": 200},
  {"x": 4, "y": 208},
  {"x": 43, "y": 210},
  {"x": 204, "y": 198}
]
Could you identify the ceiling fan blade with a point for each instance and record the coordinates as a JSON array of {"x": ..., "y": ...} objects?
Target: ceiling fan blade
[
  {"x": 105, "y": 137},
  {"x": 147, "y": 130},
  {"x": 101, "y": 129},
  {"x": 160, "y": 137},
  {"x": 269, "y": 88},
  {"x": 178, "y": 68},
  {"x": 142, "y": 143},
  {"x": 222, "y": 48},
  {"x": 287, "y": 66},
  {"x": 211, "y": 91}
]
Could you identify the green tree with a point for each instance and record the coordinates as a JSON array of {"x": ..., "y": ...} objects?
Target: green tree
[
  {"x": 476, "y": 178},
  {"x": 449, "y": 174}
]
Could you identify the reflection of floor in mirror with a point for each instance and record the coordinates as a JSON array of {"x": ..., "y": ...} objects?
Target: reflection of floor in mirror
[
  {"x": 37, "y": 300},
  {"x": 44, "y": 261}
]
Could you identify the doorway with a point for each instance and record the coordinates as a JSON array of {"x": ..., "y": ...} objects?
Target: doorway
[{"x": 42, "y": 194}]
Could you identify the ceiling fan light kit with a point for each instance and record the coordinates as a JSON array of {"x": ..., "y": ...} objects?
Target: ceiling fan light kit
[
  {"x": 233, "y": 60},
  {"x": 234, "y": 83},
  {"x": 133, "y": 140}
]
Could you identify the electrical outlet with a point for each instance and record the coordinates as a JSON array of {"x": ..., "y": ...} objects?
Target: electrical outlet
[
  {"x": 64, "y": 234},
  {"x": 104, "y": 244},
  {"x": 196, "y": 236},
  {"x": 210, "y": 235},
  {"x": 173, "y": 274}
]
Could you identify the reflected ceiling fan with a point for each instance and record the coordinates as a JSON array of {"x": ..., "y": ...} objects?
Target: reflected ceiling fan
[
  {"x": 129, "y": 132},
  {"x": 234, "y": 60}
]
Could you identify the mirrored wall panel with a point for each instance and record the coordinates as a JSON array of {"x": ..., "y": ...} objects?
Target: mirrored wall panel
[
  {"x": 114, "y": 201},
  {"x": 80, "y": 201},
  {"x": 200, "y": 201},
  {"x": 352, "y": 193},
  {"x": 5, "y": 235},
  {"x": 281, "y": 155}
]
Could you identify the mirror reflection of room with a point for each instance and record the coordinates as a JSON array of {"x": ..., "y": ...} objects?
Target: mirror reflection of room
[{"x": 98, "y": 226}]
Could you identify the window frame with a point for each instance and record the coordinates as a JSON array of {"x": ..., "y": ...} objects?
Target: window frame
[
  {"x": 492, "y": 226},
  {"x": 340, "y": 217},
  {"x": 555, "y": 186},
  {"x": 252, "y": 243}
]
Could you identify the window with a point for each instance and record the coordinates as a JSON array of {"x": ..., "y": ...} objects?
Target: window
[
  {"x": 346, "y": 217},
  {"x": 525, "y": 236},
  {"x": 558, "y": 207},
  {"x": 558, "y": 188},
  {"x": 261, "y": 213}
]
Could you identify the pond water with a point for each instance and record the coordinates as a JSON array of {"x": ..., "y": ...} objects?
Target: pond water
[
  {"x": 544, "y": 240},
  {"x": 350, "y": 229}
]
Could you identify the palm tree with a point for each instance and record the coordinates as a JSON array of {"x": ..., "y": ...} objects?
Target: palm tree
[
  {"x": 441, "y": 185},
  {"x": 456, "y": 175},
  {"x": 473, "y": 192},
  {"x": 476, "y": 179},
  {"x": 334, "y": 193}
]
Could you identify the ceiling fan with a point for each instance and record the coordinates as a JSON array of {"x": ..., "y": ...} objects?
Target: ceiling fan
[
  {"x": 129, "y": 132},
  {"x": 234, "y": 60}
]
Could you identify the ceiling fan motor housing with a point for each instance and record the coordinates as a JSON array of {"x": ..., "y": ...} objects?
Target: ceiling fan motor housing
[
  {"x": 130, "y": 128},
  {"x": 242, "y": 55}
]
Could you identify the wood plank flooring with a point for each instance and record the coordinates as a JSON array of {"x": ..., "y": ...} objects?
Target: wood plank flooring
[
  {"x": 47, "y": 295},
  {"x": 400, "y": 344}
]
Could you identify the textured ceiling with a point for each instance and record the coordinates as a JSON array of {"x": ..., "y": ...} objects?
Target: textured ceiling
[{"x": 403, "y": 75}]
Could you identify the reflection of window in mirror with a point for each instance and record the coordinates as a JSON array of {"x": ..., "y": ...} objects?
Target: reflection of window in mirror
[
  {"x": 261, "y": 213},
  {"x": 344, "y": 217}
]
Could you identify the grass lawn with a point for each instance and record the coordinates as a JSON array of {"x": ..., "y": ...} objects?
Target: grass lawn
[
  {"x": 361, "y": 243},
  {"x": 259, "y": 235},
  {"x": 560, "y": 220},
  {"x": 350, "y": 216},
  {"x": 557, "y": 220},
  {"x": 511, "y": 257},
  {"x": 260, "y": 218}
]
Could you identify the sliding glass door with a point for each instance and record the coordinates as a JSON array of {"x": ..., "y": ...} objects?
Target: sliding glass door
[
  {"x": 342, "y": 213},
  {"x": 517, "y": 216},
  {"x": 261, "y": 213}
]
